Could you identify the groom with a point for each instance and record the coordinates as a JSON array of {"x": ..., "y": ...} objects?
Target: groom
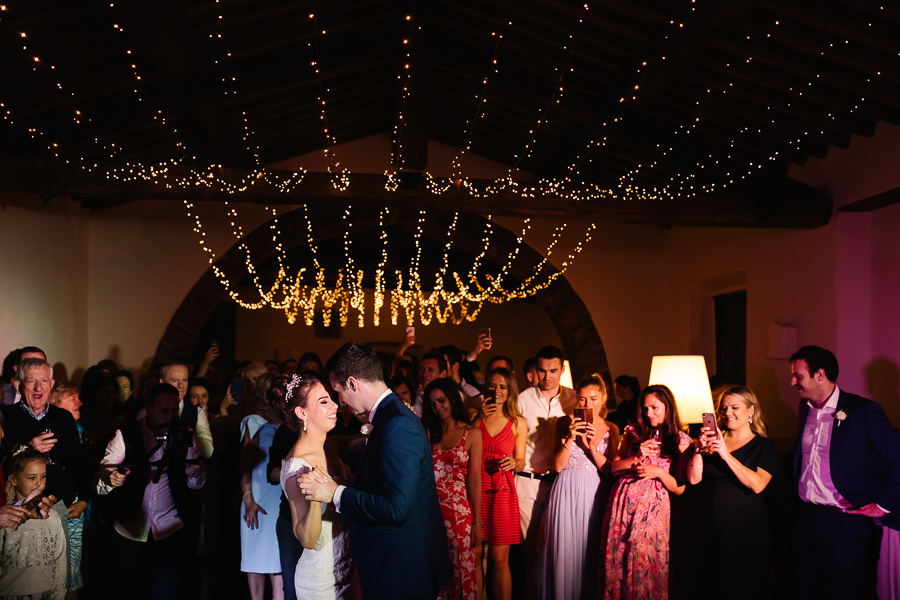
[{"x": 399, "y": 542}]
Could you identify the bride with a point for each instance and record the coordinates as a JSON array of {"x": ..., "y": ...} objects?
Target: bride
[{"x": 325, "y": 569}]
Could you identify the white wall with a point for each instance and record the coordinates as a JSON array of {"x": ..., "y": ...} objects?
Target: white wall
[{"x": 44, "y": 298}]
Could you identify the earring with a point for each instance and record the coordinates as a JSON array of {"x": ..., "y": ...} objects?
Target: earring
[
  {"x": 304, "y": 424},
  {"x": 751, "y": 420}
]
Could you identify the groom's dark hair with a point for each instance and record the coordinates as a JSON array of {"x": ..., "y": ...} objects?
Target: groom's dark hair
[{"x": 355, "y": 360}]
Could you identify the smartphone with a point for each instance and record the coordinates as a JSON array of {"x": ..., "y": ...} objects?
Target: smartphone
[
  {"x": 214, "y": 343},
  {"x": 486, "y": 331},
  {"x": 709, "y": 420},
  {"x": 490, "y": 396},
  {"x": 578, "y": 413},
  {"x": 237, "y": 389},
  {"x": 410, "y": 331},
  {"x": 34, "y": 502}
]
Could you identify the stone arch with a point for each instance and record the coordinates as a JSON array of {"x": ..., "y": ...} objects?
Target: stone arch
[{"x": 581, "y": 341}]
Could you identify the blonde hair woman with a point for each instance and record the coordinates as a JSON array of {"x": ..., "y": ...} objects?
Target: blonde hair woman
[{"x": 736, "y": 465}]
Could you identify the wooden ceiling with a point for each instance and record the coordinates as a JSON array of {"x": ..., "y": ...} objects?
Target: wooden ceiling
[{"x": 681, "y": 99}]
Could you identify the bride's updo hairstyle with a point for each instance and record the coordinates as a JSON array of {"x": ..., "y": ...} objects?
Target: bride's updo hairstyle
[{"x": 290, "y": 391}]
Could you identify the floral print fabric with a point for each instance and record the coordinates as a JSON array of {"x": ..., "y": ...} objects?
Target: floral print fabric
[
  {"x": 451, "y": 468},
  {"x": 637, "y": 535}
]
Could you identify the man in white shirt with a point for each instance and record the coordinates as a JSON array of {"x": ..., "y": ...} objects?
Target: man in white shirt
[
  {"x": 152, "y": 475},
  {"x": 541, "y": 406},
  {"x": 847, "y": 468}
]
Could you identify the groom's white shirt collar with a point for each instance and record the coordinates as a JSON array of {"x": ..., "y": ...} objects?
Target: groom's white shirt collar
[
  {"x": 340, "y": 489},
  {"x": 383, "y": 395}
]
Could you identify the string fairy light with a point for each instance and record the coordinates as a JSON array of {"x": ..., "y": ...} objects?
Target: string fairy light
[
  {"x": 298, "y": 297},
  {"x": 447, "y": 296},
  {"x": 396, "y": 160},
  {"x": 341, "y": 177}
]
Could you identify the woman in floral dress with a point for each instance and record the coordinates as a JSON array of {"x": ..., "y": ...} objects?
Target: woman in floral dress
[
  {"x": 456, "y": 451},
  {"x": 637, "y": 520}
]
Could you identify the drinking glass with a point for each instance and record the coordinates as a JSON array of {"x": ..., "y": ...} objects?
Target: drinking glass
[{"x": 48, "y": 428}]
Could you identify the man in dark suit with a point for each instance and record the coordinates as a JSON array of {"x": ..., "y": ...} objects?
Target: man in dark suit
[
  {"x": 847, "y": 468},
  {"x": 399, "y": 543}
]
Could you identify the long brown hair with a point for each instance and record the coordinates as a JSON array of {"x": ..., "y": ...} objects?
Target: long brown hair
[
  {"x": 669, "y": 428},
  {"x": 511, "y": 406},
  {"x": 289, "y": 392}
]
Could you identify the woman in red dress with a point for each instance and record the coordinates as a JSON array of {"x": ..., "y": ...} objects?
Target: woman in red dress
[{"x": 503, "y": 434}]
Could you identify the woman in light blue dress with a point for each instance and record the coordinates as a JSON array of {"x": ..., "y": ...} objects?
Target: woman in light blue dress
[
  {"x": 585, "y": 444},
  {"x": 259, "y": 545}
]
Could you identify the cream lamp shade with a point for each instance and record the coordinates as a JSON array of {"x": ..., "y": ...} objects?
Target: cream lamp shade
[
  {"x": 686, "y": 377},
  {"x": 565, "y": 379}
]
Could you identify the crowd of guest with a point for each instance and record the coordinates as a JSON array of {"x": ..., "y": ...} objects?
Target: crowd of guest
[{"x": 169, "y": 485}]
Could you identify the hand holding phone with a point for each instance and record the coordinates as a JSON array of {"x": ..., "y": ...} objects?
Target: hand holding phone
[
  {"x": 709, "y": 422},
  {"x": 484, "y": 342},
  {"x": 236, "y": 390},
  {"x": 490, "y": 396},
  {"x": 489, "y": 404}
]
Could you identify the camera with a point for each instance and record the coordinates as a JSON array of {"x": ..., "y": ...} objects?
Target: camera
[{"x": 175, "y": 437}]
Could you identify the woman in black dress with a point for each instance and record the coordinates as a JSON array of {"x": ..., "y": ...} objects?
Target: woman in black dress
[{"x": 736, "y": 465}]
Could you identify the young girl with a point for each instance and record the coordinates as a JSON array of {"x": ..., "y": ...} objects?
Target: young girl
[{"x": 33, "y": 557}]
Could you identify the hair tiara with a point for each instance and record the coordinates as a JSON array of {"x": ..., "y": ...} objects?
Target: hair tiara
[
  {"x": 22, "y": 448},
  {"x": 295, "y": 381}
]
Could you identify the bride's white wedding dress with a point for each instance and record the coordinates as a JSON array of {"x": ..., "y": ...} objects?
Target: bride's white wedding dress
[{"x": 326, "y": 572}]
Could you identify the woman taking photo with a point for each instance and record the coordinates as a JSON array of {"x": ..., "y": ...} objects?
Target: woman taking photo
[
  {"x": 456, "y": 452},
  {"x": 637, "y": 522},
  {"x": 503, "y": 436},
  {"x": 585, "y": 447},
  {"x": 737, "y": 463}
]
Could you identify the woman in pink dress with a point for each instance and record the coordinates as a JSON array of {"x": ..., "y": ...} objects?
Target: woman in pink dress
[
  {"x": 503, "y": 434},
  {"x": 456, "y": 451},
  {"x": 637, "y": 520}
]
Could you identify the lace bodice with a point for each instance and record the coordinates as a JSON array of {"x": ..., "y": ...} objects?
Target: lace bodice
[
  {"x": 578, "y": 460},
  {"x": 325, "y": 573}
]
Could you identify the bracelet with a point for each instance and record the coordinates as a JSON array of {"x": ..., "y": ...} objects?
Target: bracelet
[
  {"x": 479, "y": 524},
  {"x": 247, "y": 493}
]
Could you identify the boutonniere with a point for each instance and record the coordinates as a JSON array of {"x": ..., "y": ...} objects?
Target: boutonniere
[
  {"x": 840, "y": 416},
  {"x": 366, "y": 429}
]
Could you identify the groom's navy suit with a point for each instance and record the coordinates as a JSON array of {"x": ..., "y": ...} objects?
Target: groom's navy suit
[
  {"x": 864, "y": 453},
  {"x": 399, "y": 542},
  {"x": 864, "y": 458}
]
